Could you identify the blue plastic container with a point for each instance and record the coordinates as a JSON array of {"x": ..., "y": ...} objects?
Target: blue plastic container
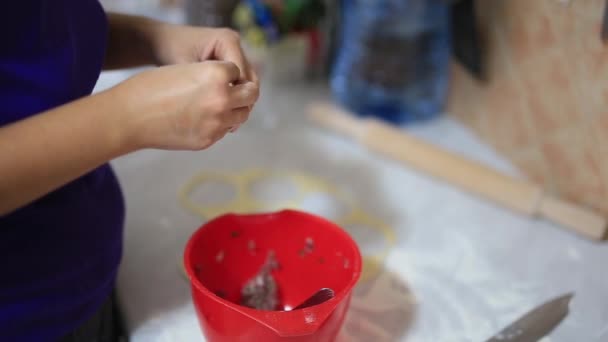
[{"x": 392, "y": 58}]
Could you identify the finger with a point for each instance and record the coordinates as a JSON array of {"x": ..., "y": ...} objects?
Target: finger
[
  {"x": 230, "y": 50},
  {"x": 253, "y": 76},
  {"x": 227, "y": 71},
  {"x": 244, "y": 94},
  {"x": 235, "y": 128},
  {"x": 219, "y": 135},
  {"x": 236, "y": 117}
]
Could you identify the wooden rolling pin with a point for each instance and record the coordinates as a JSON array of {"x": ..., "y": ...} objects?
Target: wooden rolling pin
[{"x": 515, "y": 194}]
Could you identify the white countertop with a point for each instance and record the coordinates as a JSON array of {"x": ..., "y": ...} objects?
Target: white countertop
[{"x": 460, "y": 270}]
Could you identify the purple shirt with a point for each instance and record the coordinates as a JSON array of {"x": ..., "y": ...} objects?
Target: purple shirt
[{"x": 58, "y": 255}]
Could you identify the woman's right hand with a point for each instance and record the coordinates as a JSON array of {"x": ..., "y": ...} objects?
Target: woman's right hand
[{"x": 185, "y": 106}]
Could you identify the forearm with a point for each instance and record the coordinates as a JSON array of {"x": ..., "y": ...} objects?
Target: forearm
[
  {"x": 46, "y": 151},
  {"x": 130, "y": 41}
]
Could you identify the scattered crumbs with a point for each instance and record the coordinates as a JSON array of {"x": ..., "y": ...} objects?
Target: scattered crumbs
[
  {"x": 310, "y": 243},
  {"x": 251, "y": 246},
  {"x": 272, "y": 256},
  {"x": 235, "y": 234},
  {"x": 346, "y": 263},
  {"x": 321, "y": 260},
  {"x": 309, "y": 317},
  {"x": 220, "y": 256}
]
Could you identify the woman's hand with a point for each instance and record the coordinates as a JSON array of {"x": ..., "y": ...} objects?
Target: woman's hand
[
  {"x": 137, "y": 40},
  {"x": 184, "y": 106},
  {"x": 174, "y": 44}
]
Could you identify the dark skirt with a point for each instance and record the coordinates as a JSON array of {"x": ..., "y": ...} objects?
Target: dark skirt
[{"x": 105, "y": 326}]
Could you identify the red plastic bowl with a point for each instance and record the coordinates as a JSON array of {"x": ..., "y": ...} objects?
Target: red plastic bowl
[{"x": 219, "y": 260}]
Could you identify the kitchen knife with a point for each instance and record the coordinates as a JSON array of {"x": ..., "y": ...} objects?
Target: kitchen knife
[{"x": 537, "y": 323}]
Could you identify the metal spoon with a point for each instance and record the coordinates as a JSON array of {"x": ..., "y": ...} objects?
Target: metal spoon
[{"x": 317, "y": 298}]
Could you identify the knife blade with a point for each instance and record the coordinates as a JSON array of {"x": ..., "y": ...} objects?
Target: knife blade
[{"x": 537, "y": 323}]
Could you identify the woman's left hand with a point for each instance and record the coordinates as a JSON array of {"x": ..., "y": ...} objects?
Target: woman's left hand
[{"x": 174, "y": 44}]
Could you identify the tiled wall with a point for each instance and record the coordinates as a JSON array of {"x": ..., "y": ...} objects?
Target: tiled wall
[{"x": 545, "y": 104}]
